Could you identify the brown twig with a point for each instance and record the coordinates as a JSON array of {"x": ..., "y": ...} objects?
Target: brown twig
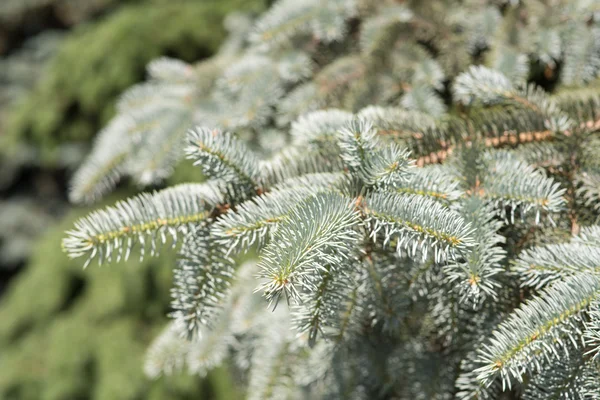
[{"x": 509, "y": 137}]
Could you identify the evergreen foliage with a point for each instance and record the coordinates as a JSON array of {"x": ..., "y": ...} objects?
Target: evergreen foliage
[
  {"x": 74, "y": 334},
  {"x": 419, "y": 181},
  {"x": 77, "y": 93}
]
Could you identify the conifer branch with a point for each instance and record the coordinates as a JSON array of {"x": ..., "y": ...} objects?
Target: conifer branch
[
  {"x": 254, "y": 220},
  {"x": 388, "y": 299},
  {"x": 289, "y": 18},
  {"x": 318, "y": 235},
  {"x": 201, "y": 283},
  {"x": 321, "y": 310},
  {"x": 222, "y": 156},
  {"x": 319, "y": 126},
  {"x": 476, "y": 275},
  {"x": 273, "y": 359},
  {"x": 591, "y": 335},
  {"x": 139, "y": 220},
  {"x": 104, "y": 167},
  {"x": 540, "y": 266},
  {"x": 538, "y": 331},
  {"x": 389, "y": 268},
  {"x": 565, "y": 383},
  {"x": 435, "y": 183},
  {"x": 513, "y": 183},
  {"x": 414, "y": 222}
]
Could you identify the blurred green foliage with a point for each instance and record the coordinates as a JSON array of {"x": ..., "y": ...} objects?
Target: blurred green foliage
[
  {"x": 75, "y": 97},
  {"x": 69, "y": 333}
]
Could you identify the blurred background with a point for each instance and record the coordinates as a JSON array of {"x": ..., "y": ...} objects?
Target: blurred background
[{"x": 65, "y": 332}]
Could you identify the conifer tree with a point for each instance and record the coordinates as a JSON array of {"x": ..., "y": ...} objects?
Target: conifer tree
[{"x": 420, "y": 181}]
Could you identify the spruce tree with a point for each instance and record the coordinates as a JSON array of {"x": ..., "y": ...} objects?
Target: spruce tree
[{"x": 415, "y": 186}]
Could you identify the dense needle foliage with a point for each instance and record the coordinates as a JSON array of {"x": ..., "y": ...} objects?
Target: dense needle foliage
[
  {"x": 77, "y": 93},
  {"x": 421, "y": 184}
]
